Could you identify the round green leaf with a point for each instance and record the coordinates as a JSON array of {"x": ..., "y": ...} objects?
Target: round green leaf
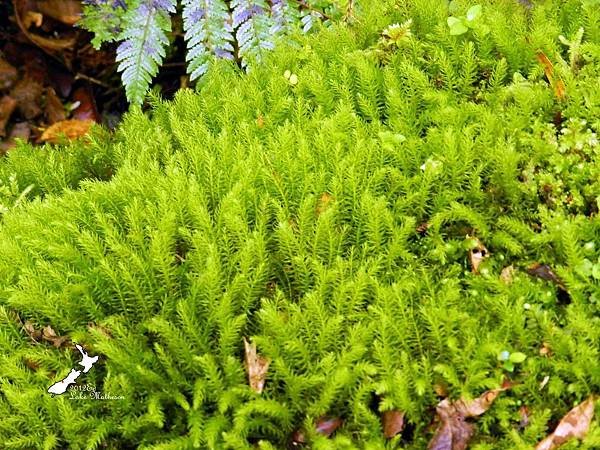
[
  {"x": 473, "y": 12},
  {"x": 517, "y": 357},
  {"x": 458, "y": 28}
]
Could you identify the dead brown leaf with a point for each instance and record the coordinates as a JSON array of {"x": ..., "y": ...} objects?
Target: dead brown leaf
[
  {"x": 574, "y": 425},
  {"x": 325, "y": 426},
  {"x": 54, "y": 109},
  {"x": 545, "y": 272},
  {"x": 19, "y": 130},
  {"x": 478, "y": 406},
  {"x": 557, "y": 85},
  {"x": 257, "y": 367},
  {"x": 32, "y": 18},
  {"x": 545, "y": 349},
  {"x": 477, "y": 255},
  {"x": 440, "y": 389},
  {"x": 524, "y": 415},
  {"x": 507, "y": 274},
  {"x": 421, "y": 229},
  {"x": 86, "y": 109},
  {"x": 50, "y": 335},
  {"x": 65, "y": 40},
  {"x": 260, "y": 121},
  {"x": 454, "y": 432},
  {"x": 65, "y": 11},
  {"x": 31, "y": 331},
  {"x": 393, "y": 423},
  {"x": 7, "y": 106},
  {"x": 8, "y": 75},
  {"x": 69, "y": 129},
  {"x": 27, "y": 92}
]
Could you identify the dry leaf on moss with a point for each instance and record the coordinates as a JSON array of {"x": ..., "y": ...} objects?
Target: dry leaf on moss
[
  {"x": 65, "y": 11},
  {"x": 574, "y": 425},
  {"x": 50, "y": 335},
  {"x": 454, "y": 432},
  {"x": 393, "y": 423},
  {"x": 7, "y": 106},
  {"x": 507, "y": 274},
  {"x": 69, "y": 129},
  {"x": 545, "y": 272},
  {"x": 557, "y": 85},
  {"x": 257, "y": 367},
  {"x": 325, "y": 426},
  {"x": 477, "y": 255}
]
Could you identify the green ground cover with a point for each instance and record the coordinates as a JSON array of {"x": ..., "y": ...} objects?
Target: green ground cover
[{"x": 332, "y": 218}]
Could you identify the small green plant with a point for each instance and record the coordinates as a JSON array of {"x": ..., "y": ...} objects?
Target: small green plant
[
  {"x": 462, "y": 24},
  {"x": 510, "y": 359}
]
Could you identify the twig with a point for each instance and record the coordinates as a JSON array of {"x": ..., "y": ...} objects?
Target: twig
[{"x": 82, "y": 76}]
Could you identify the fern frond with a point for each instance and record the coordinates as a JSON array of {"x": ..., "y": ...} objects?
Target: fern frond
[
  {"x": 208, "y": 32},
  {"x": 142, "y": 50},
  {"x": 253, "y": 25}
]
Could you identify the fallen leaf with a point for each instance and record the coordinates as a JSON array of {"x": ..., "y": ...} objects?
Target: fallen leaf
[
  {"x": 19, "y": 130},
  {"x": 86, "y": 109},
  {"x": 507, "y": 274},
  {"x": 393, "y": 423},
  {"x": 31, "y": 331},
  {"x": 453, "y": 432},
  {"x": 51, "y": 45},
  {"x": 558, "y": 86},
  {"x": 27, "y": 92},
  {"x": 421, "y": 229},
  {"x": 65, "y": 11},
  {"x": 479, "y": 405},
  {"x": 50, "y": 335},
  {"x": 326, "y": 425},
  {"x": 440, "y": 389},
  {"x": 574, "y": 425},
  {"x": 545, "y": 349},
  {"x": 477, "y": 255},
  {"x": 7, "y": 106},
  {"x": 524, "y": 416},
  {"x": 32, "y": 18},
  {"x": 545, "y": 272},
  {"x": 69, "y": 129},
  {"x": 256, "y": 366},
  {"x": 33, "y": 365},
  {"x": 8, "y": 75},
  {"x": 260, "y": 121},
  {"x": 54, "y": 109}
]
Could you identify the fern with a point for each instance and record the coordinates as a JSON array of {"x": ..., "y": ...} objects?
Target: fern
[
  {"x": 208, "y": 32},
  {"x": 253, "y": 26},
  {"x": 142, "y": 49}
]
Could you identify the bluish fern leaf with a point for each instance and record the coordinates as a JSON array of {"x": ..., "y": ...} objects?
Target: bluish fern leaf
[
  {"x": 309, "y": 17},
  {"x": 208, "y": 32},
  {"x": 142, "y": 49},
  {"x": 253, "y": 24},
  {"x": 285, "y": 14}
]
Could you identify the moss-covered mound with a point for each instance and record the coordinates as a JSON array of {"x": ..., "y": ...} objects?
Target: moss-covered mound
[{"x": 387, "y": 228}]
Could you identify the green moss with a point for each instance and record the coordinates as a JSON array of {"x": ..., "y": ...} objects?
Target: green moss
[{"x": 293, "y": 214}]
